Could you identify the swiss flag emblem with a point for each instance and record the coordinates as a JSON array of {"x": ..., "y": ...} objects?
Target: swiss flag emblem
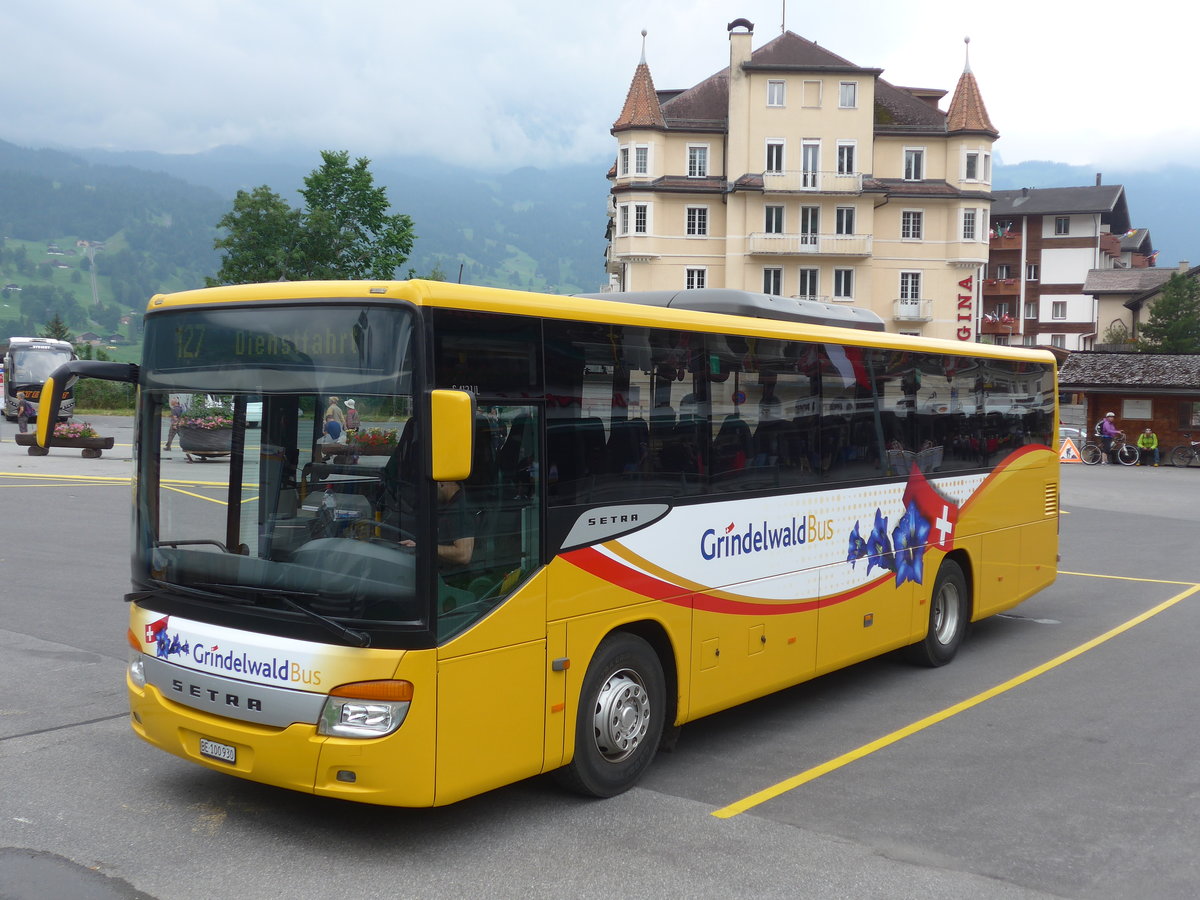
[{"x": 154, "y": 628}]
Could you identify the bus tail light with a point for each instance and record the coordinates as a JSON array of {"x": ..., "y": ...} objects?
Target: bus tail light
[{"x": 366, "y": 709}]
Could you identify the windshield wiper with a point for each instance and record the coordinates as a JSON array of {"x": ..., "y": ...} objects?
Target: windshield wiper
[
  {"x": 352, "y": 636},
  {"x": 164, "y": 587}
]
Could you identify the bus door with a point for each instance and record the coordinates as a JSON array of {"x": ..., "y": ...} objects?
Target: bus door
[{"x": 492, "y": 656}]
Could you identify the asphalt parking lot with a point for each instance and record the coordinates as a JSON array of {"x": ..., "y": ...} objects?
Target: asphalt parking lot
[{"x": 1054, "y": 758}]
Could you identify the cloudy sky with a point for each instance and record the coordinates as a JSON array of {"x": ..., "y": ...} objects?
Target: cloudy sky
[{"x": 504, "y": 83}]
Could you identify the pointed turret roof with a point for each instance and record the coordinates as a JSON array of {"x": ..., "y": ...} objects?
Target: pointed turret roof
[
  {"x": 967, "y": 112},
  {"x": 641, "y": 108}
]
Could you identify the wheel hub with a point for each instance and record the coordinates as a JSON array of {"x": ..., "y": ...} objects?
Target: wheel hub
[{"x": 622, "y": 715}]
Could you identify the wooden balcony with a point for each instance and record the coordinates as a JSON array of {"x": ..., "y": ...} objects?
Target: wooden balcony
[
  {"x": 764, "y": 244},
  {"x": 1010, "y": 241},
  {"x": 1005, "y": 287},
  {"x": 790, "y": 182}
]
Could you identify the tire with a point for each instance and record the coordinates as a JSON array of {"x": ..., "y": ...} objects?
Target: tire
[
  {"x": 620, "y": 720},
  {"x": 949, "y": 615},
  {"x": 1182, "y": 456},
  {"x": 1127, "y": 455},
  {"x": 1091, "y": 454}
]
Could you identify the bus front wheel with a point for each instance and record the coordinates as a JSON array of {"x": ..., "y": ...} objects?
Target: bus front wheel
[
  {"x": 620, "y": 720},
  {"x": 949, "y": 614}
]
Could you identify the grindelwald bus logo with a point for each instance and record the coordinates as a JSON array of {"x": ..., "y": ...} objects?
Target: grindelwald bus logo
[{"x": 758, "y": 537}]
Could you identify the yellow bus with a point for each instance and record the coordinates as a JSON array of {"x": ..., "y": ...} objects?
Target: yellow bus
[{"x": 563, "y": 527}]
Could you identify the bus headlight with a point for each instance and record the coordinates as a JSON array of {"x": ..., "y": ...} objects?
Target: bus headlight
[
  {"x": 137, "y": 670},
  {"x": 366, "y": 709},
  {"x": 137, "y": 661}
]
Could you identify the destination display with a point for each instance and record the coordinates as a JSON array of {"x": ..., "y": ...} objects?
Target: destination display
[{"x": 364, "y": 339}]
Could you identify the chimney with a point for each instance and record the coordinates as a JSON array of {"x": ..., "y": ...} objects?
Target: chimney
[
  {"x": 1184, "y": 265},
  {"x": 1098, "y": 178},
  {"x": 739, "y": 44}
]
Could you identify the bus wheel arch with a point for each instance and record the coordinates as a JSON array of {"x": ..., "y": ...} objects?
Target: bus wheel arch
[
  {"x": 950, "y": 610},
  {"x": 622, "y": 713}
]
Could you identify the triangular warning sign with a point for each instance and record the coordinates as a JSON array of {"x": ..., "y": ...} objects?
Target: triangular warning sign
[{"x": 1068, "y": 453}]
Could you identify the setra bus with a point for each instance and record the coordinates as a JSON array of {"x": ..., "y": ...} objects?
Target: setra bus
[
  {"x": 27, "y": 363},
  {"x": 566, "y": 526}
]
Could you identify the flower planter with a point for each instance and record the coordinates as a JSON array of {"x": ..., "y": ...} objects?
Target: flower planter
[
  {"x": 92, "y": 447},
  {"x": 204, "y": 443}
]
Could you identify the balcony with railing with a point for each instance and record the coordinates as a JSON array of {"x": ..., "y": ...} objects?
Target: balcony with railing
[
  {"x": 806, "y": 181},
  {"x": 912, "y": 310},
  {"x": 999, "y": 323},
  {"x": 769, "y": 244},
  {"x": 1008, "y": 287}
]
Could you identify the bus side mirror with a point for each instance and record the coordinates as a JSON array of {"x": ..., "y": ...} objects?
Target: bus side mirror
[
  {"x": 452, "y": 415},
  {"x": 63, "y": 376}
]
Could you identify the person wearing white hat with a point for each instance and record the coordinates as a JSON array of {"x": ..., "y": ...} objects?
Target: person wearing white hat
[
  {"x": 1108, "y": 431},
  {"x": 351, "y": 418}
]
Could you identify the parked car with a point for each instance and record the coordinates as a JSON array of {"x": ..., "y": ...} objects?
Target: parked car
[{"x": 1075, "y": 434}]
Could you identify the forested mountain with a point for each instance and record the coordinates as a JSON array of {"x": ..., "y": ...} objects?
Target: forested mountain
[{"x": 528, "y": 228}]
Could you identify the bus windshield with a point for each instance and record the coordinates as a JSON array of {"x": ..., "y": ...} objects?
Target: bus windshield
[
  {"x": 310, "y": 517},
  {"x": 34, "y": 365}
]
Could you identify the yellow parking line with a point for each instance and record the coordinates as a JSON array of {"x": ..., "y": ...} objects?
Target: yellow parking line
[
  {"x": 887, "y": 740},
  {"x": 1127, "y": 578}
]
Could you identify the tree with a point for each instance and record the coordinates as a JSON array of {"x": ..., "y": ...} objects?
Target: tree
[
  {"x": 1174, "y": 323},
  {"x": 262, "y": 239},
  {"x": 57, "y": 328},
  {"x": 344, "y": 231}
]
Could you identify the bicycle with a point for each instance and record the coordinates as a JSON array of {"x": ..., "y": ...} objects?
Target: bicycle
[
  {"x": 1126, "y": 454},
  {"x": 1187, "y": 454}
]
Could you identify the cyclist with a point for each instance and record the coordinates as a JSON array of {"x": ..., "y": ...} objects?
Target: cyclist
[
  {"x": 1108, "y": 430},
  {"x": 1147, "y": 446}
]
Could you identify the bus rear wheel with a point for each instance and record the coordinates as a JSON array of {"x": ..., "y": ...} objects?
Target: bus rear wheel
[
  {"x": 949, "y": 614},
  {"x": 620, "y": 719}
]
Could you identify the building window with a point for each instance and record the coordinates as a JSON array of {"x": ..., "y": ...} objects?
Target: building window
[
  {"x": 641, "y": 216},
  {"x": 1062, "y": 224},
  {"x": 911, "y": 221},
  {"x": 810, "y": 164},
  {"x": 968, "y": 229},
  {"x": 914, "y": 164},
  {"x": 809, "y": 284},
  {"x": 848, "y": 95},
  {"x": 845, "y": 220},
  {"x": 976, "y": 166},
  {"x": 1058, "y": 340},
  {"x": 774, "y": 157},
  {"x": 1001, "y": 310},
  {"x": 624, "y": 216},
  {"x": 812, "y": 94},
  {"x": 1003, "y": 270},
  {"x": 1058, "y": 309},
  {"x": 624, "y": 161},
  {"x": 697, "y": 221},
  {"x": 696, "y": 279},
  {"x": 641, "y": 160},
  {"x": 773, "y": 219},
  {"x": 697, "y": 161},
  {"x": 810, "y": 224},
  {"x": 1031, "y": 272},
  {"x": 773, "y": 281},
  {"x": 1031, "y": 309},
  {"x": 1001, "y": 340},
  {"x": 1029, "y": 340},
  {"x": 845, "y": 157},
  {"x": 910, "y": 285},
  {"x": 775, "y": 93},
  {"x": 843, "y": 284}
]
